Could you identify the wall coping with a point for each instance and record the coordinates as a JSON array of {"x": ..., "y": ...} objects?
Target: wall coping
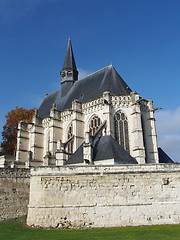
[{"x": 104, "y": 169}]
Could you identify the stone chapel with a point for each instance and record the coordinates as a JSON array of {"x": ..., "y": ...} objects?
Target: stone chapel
[
  {"x": 96, "y": 120},
  {"x": 89, "y": 158}
]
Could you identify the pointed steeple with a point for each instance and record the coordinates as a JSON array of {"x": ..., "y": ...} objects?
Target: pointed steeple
[
  {"x": 69, "y": 62},
  {"x": 69, "y": 71}
]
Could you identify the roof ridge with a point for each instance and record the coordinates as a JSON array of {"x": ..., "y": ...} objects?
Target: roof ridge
[{"x": 109, "y": 66}]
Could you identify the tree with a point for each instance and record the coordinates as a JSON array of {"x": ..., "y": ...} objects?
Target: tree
[{"x": 9, "y": 133}]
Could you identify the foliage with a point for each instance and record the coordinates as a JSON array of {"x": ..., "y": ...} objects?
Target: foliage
[
  {"x": 16, "y": 229},
  {"x": 9, "y": 134}
]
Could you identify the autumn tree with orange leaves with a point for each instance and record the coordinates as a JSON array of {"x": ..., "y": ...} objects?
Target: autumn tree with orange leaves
[{"x": 9, "y": 134}]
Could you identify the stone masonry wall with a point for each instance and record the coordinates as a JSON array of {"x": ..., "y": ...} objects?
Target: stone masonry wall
[
  {"x": 105, "y": 196},
  {"x": 14, "y": 192}
]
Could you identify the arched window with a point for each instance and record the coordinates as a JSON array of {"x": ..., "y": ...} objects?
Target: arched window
[
  {"x": 69, "y": 73},
  {"x": 47, "y": 141},
  {"x": 69, "y": 135},
  {"x": 121, "y": 130},
  {"x": 94, "y": 125}
]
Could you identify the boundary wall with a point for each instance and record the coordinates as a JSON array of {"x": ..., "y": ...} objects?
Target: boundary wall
[
  {"x": 14, "y": 192},
  {"x": 104, "y": 196}
]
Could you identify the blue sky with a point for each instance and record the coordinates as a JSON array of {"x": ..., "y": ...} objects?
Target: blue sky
[{"x": 140, "y": 37}]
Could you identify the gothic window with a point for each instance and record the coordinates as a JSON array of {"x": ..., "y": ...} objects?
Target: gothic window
[
  {"x": 69, "y": 135},
  {"x": 121, "y": 130},
  {"x": 69, "y": 73},
  {"x": 94, "y": 125},
  {"x": 47, "y": 141}
]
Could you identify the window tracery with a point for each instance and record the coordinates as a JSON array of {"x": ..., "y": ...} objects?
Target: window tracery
[
  {"x": 69, "y": 135},
  {"x": 121, "y": 130},
  {"x": 94, "y": 125}
]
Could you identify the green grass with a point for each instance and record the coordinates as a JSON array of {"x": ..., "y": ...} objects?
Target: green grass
[{"x": 17, "y": 229}]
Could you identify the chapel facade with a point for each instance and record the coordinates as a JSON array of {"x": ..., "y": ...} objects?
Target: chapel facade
[{"x": 96, "y": 120}]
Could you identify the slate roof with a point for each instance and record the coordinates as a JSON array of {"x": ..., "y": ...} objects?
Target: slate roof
[
  {"x": 163, "y": 157},
  {"x": 86, "y": 89},
  {"x": 69, "y": 61},
  {"x": 104, "y": 148}
]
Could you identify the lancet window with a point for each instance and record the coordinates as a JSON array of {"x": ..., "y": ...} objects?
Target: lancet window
[
  {"x": 47, "y": 141},
  {"x": 94, "y": 125},
  {"x": 121, "y": 130},
  {"x": 69, "y": 135}
]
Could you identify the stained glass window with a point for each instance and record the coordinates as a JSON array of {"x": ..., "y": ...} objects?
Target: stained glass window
[
  {"x": 94, "y": 125},
  {"x": 69, "y": 135},
  {"x": 121, "y": 130}
]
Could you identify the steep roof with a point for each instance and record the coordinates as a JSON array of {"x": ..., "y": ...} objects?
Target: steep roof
[
  {"x": 163, "y": 157},
  {"x": 104, "y": 148},
  {"x": 69, "y": 62},
  {"x": 86, "y": 89}
]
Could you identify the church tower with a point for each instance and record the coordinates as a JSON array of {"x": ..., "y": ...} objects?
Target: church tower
[{"x": 69, "y": 73}]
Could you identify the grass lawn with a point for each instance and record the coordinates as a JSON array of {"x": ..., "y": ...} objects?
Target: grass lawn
[{"x": 17, "y": 229}]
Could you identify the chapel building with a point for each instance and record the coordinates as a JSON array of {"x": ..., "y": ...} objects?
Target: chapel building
[{"x": 96, "y": 120}]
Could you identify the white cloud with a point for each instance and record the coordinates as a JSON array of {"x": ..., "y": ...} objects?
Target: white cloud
[
  {"x": 168, "y": 132},
  {"x": 82, "y": 73},
  {"x": 35, "y": 100}
]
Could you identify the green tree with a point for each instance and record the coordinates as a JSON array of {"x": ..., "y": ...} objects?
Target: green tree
[{"x": 9, "y": 133}]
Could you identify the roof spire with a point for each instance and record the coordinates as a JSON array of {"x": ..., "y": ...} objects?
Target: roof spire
[
  {"x": 69, "y": 73},
  {"x": 69, "y": 61}
]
